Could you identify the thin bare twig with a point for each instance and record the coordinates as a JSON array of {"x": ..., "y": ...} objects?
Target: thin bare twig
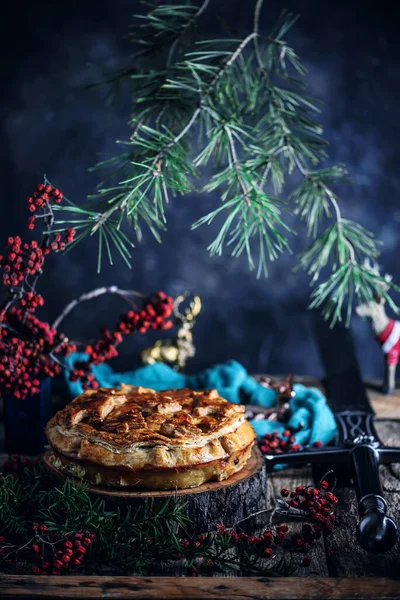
[
  {"x": 339, "y": 221},
  {"x": 113, "y": 289}
]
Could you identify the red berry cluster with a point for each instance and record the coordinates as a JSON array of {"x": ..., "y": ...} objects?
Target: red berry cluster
[
  {"x": 31, "y": 301},
  {"x": 67, "y": 553},
  {"x": 46, "y": 556},
  {"x": 154, "y": 314},
  {"x": 278, "y": 443},
  {"x": 26, "y": 343},
  {"x": 26, "y": 348},
  {"x": 16, "y": 465},
  {"x": 259, "y": 545},
  {"x": 264, "y": 542},
  {"x": 25, "y": 259},
  {"x": 58, "y": 244},
  {"x": 319, "y": 505},
  {"x": 21, "y": 261},
  {"x": 42, "y": 196}
]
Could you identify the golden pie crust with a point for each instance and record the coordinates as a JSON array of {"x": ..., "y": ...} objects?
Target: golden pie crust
[{"x": 137, "y": 437}]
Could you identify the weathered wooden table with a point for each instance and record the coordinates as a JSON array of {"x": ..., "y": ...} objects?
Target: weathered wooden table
[{"x": 339, "y": 569}]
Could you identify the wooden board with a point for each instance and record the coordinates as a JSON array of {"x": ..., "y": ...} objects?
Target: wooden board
[
  {"x": 251, "y": 468},
  {"x": 200, "y": 588}
]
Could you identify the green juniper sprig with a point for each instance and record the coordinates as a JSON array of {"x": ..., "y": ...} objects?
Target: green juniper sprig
[
  {"x": 241, "y": 104},
  {"x": 42, "y": 522}
]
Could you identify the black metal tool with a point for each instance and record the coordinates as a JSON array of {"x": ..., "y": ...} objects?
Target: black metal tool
[{"x": 357, "y": 444}]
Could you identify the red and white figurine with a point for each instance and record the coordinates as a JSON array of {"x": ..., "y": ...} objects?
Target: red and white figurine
[{"x": 386, "y": 331}]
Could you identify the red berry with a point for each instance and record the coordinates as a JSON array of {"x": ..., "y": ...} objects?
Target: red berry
[
  {"x": 76, "y": 562},
  {"x": 331, "y": 497}
]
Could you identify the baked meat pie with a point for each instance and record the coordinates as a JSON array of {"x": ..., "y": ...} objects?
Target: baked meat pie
[{"x": 140, "y": 438}]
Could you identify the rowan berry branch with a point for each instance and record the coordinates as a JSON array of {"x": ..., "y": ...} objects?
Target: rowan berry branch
[
  {"x": 16, "y": 292},
  {"x": 32, "y": 350}
]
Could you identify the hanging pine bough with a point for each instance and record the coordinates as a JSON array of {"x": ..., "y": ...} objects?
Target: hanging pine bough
[{"x": 244, "y": 103}]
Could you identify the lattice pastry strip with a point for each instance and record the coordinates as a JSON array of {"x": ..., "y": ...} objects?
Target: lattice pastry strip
[{"x": 134, "y": 415}]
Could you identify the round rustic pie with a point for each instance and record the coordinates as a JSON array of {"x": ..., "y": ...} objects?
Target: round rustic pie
[{"x": 140, "y": 438}]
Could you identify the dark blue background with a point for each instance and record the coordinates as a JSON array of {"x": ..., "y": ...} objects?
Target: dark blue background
[{"x": 51, "y": 123}]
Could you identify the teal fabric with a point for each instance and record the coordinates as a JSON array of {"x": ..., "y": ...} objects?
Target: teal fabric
[{"x": 232, "y": 381}]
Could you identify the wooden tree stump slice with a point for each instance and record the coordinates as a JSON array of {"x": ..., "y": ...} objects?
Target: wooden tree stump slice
[{"x": 228, "y": 501}]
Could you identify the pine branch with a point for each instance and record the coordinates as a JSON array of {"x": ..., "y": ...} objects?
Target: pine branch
[
  {"x": 340, "y": 244},
  {"x": 244, "y": 101},
  {"x": 157, "y": 163}
]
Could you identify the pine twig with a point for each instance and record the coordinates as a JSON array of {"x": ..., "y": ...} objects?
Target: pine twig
[
  {"x": 260, "y": 126},
  {"x": 237, "y": 166},
  {"x": 190, "y": 22}
]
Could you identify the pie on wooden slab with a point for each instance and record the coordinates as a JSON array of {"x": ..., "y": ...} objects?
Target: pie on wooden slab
[{"x": 139, "y": 438}]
